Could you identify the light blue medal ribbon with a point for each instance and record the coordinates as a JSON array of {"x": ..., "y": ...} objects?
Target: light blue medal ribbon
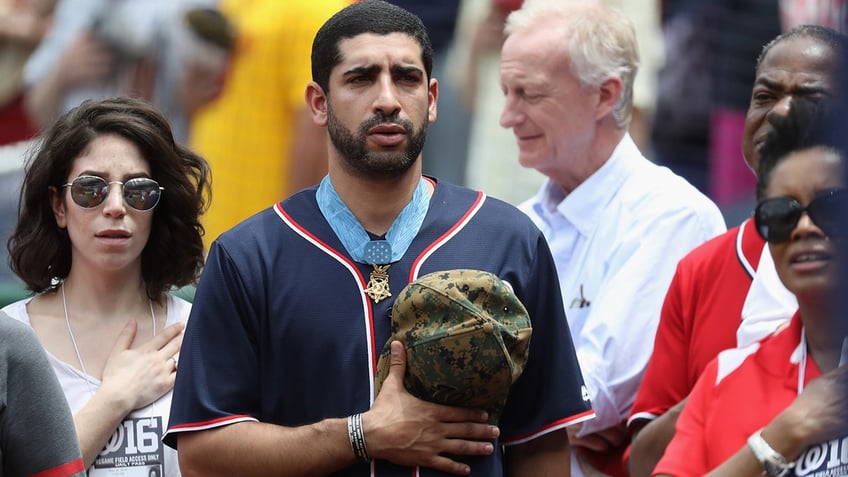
[{"x": 377, "y": 253}]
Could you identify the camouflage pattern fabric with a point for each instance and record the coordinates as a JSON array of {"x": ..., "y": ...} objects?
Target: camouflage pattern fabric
[{"x": 466, "y": 337}]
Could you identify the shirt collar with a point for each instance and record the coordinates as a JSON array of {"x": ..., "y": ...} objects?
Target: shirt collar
[{"x": 780, "y": 354}]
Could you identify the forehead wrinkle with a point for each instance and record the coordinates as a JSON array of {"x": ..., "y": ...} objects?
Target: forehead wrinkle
[
  {"x": 814, "y": 59},
  {"x": 522, "y": 77}
]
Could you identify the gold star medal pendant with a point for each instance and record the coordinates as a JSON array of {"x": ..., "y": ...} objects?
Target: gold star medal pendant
[{"x": 379, "y": 254}]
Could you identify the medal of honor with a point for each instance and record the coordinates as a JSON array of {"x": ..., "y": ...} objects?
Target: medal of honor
[{"x": 378, "y": 250}]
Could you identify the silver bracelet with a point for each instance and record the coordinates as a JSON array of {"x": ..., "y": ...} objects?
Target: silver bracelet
[
  {"x": 357, "y": 437},
  {"x": 773, "y": 464}
]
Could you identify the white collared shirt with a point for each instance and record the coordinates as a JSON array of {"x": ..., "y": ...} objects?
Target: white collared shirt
[{"x": 616, "y": 240}]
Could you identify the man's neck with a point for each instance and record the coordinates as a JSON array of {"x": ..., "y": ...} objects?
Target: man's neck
[
  {"x": 574, "y": 172},
  {"x": 375, "y": 203}
]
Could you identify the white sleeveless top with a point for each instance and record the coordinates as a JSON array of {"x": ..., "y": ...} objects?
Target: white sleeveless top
[{"x": 135, "y": 448}]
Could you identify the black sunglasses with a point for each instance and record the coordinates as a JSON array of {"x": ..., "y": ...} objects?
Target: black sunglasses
[
  {"x": 141, "y": 193},
  {"x": 776, "y": 218}
]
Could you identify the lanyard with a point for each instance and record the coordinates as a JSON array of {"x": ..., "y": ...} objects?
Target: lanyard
[
  {"x": 355, "y": 238},
  {"x": 802, "y": 366}
]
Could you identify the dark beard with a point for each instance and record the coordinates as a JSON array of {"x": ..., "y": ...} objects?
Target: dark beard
[{"x": 388, "y": 165}]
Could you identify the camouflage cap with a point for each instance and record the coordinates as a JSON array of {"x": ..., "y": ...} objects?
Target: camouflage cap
[{"x": 466, "y": 337}]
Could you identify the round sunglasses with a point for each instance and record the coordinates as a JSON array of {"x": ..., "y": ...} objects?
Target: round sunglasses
[
  {"x": 777, "y": 217},
  {"x": 140, "y": 193}
]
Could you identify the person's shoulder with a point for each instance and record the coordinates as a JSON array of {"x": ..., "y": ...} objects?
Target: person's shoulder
[
  {"x": 179, "y": 309},
  {"x": 455, "y": 193},
  {"x": 483, "y": 212},
  {"x": 269, "y": 230},
  {"x": 657, "y": 193},
  {"x": 682, "y": 191},
  {"x": 12, "y": 329},
  {"x": 501, "y": 205},
  {"x": 506, "y": 214},
  {"x": 654, "y": 181},
  {"x": 19, "y": 340},
  {"x": 733, "y": 363},
  {"x": 17, "y": 310},
  {"x": 253, "y": 226}
]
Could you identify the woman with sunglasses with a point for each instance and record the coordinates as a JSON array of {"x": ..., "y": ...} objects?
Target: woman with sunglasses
[
  {"x": 108, "y": 224},
  {"x": 780, "y": 407}
]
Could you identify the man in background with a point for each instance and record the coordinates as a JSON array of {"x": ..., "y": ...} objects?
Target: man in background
[{"x": 616, "y": 223}]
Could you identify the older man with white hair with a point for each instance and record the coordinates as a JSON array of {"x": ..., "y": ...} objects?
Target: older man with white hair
[{"x": 616, "y": 223}]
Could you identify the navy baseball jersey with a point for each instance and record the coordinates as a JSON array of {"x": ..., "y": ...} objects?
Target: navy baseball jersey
[{"x": 282, "y": 332}]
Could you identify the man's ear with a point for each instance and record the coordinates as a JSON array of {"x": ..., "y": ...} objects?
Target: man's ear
[
  {"x": 609, "y": 93},
  {"x": 432, "y": 98},
  {"x": 58, "y": 206},
  {"x": 316, "y": 100}
]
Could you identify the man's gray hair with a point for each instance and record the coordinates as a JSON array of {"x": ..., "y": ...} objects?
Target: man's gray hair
[{"x": 600, "y": 42}]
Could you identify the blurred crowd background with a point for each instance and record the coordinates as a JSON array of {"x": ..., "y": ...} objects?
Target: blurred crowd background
[{"x": 231, "y": 74}]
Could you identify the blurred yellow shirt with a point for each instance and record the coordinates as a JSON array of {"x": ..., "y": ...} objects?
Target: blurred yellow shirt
[{"x": 246, "y": 133}]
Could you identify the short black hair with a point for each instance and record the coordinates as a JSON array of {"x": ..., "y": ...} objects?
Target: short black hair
[
  {"x": 807, "y": 124},
  {"x": 368, "y": 16}
]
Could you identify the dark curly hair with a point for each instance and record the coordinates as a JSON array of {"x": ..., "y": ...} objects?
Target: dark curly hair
[
  {"x": 367, "y": 16},
  {"x": 40, "y": 252}
]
